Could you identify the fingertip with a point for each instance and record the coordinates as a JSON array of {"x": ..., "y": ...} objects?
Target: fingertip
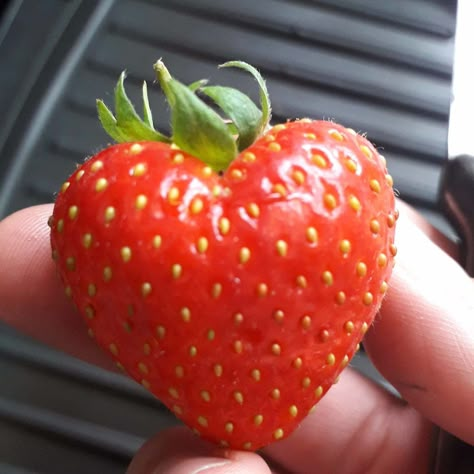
[{"x": 179, "y": 451}]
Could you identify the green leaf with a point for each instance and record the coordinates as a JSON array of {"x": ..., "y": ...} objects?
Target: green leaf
[
  {"x": 240, "y": 109},
  {"x": 196, "y": 85},
  {"x": 126, "y": 125},
  {"x": 264, "y": 96},
  {"x": 147, "y": 115},
  {"x": 197, "y": 129}
]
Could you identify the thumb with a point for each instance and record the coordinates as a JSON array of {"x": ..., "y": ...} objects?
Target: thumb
[{"x": 178, "y": 451}]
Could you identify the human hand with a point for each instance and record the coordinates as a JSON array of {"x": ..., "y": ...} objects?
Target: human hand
[{"x": 423, "y": 343}]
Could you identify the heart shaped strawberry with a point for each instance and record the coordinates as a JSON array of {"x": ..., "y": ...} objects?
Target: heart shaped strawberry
[{"x": 232, "y": 269}]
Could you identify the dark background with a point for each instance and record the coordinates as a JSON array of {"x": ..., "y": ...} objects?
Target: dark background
[{"x": 381, "y": 67}]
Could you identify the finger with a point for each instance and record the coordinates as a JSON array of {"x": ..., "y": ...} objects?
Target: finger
[
  {"x": 423, "y": 342},
  {"x": 31, "y": 297},
  {"x": 357, "y": 427},
  {"x": 179, "y": 451}
]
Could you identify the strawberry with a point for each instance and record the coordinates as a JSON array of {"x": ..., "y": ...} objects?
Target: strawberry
[{"x": 231, "y": 269}]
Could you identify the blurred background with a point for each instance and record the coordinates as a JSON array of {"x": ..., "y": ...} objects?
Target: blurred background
[{"x": 380, "y": 67}]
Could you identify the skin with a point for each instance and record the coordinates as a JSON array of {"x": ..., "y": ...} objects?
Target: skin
[{"x": 422, "y": 342}]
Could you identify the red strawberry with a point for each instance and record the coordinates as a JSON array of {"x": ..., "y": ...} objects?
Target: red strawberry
[{"x": 236, "y": 298}]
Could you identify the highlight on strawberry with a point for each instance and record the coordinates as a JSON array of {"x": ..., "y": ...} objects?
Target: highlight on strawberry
[{"x": 233, "y": 267}]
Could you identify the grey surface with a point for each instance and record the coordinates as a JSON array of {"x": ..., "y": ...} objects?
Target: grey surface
[{"x": 381, "y": 69}]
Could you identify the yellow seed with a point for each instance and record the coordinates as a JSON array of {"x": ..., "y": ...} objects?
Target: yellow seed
[
  {"x": 336, "y": 135},
  {"x": 202, "y": 420},
  {"x": 324, "y": 335},
  {"x": 142, "y": 367},
  {"x": 224, "y": 225},
  {"x": 312, "y": 235},
  {"x": 218, "y": 370},
  {"x": 65, "y": 186},
  {"x": 269, "y": 137},
  {"x": 253, "y": 210},
  {"x": 366, "y": 151},
  {"x": 278, "y": 434},
  {"x": 327, "y": 278},
  {"x": 305, "y": 120},
  {"x": 207, "y": 171},
  {"x": 330, "y": 201},
  {"x": 229, "y": 427},
  {"x": 391, "y": 220},
  {"x": 351, "y": 165},
  {"x": 138, "y": 170},
  {"x": 282, "y": 248},
  {"x": 306, "y": 382},
  {"x": 389, "y": 180},
  {"x": 146, "y": 349},
  {"x": 274, "y": 146},
  {"x": 90, "y": 312},
  {"x": 186, "y": 314},
  {"x": 276, "y": 349},
  {"x": 354, "y": 203},
  {"x": 301, "y": 281},
  {"x": 160, "y": 332},
  {"x": 293, "y": 410},
  {"x": 244, "y": 255},
  {"x": 71, "y": 263},
  {"x": 179, "y": 371},
  {"x": 178, "y": 158},
  {"x": 173, "y": 392},
  {"x": 176, "y": 271},
  {"x": 345, "y": 246},
  {"x": 382, "y": 260},
  {"x": 258, "y": 420},
  {"x": 177, "y": 409},
  {"x": 96, "y": 166},
  {"x": 157, "y": 241},
  {"x": 298, "y": 177},
  {"x": 87, "y": 240},
  {"x": 262, "y": 289},
  {"x": 306, "y": 322},
  {"x": 275, "y": 393},
  {"x": 146, "y": 384},
  {"x": 279, "y": 189},
  {"x": 357, "y": 348},
  {"x": 80, "y": 174},
  {"x": 383, "y": 287},
  {"x": 238, "y": 318},
  {"x": 73, "y": 211},
  {"x": 107, "y": 274},
  {"x": 279, "y": 127},
  {"x": 197, "y": 206},
  {"x": 216, "y": 290},
  {"x": 318, "y": 392},
  {"x": 361, "y": 269},
  {"x": 374, "y": 185},
  {"x": 393, "y": 250},
  {"x": 127, "y": 326},
  {"x": 345, "y": 361},
  {"x": 239, "y": 397},
  {"x": 146, "y": 289},
  {"x": 331, "y": 359},
  {"x": 54, "y": 255},
  {"x": 223, "y": 443},
  {"x": 351, "y": 131},
  {"x": 202, "y": 245},
  {"x": 278, "y": 315},
  {"x": 126, "y": 254},
  {"x": 136, "y": 148},
  {"x": 113, "y": 349},
  {"x": 60, "y": 225},
  {"x": 193, "y": 351},
  {"x": 173, "y": 195},
  {"x": 141, "y": 201},
  {"x": 310, "y": 136},
  {"x": 298, "y": 363},
  {"x": 90, "y": 333},
  {"x": 237, "y": 174},
  {"x": 319, "y": 160},
  {"x": 375, "y": 226},
  {"x": 91, "y": 290},
  {"x": 364, "y": 328},
  {"x": 238, "y": 347},
  {"x": 349, "y": 327},
  {"x": 256, "y": 375},
  {"x": 249, "y": 157},
  {"x": 101, "y": 185},
  {"x": 368, "y": 298},
  {"x": 340, "y": 297},
  {"x": 68, "y": 291},
  {"x": 109, "y": 214}
]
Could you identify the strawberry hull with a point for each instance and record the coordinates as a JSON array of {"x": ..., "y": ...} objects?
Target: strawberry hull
[{"x": 236, "y": 299}]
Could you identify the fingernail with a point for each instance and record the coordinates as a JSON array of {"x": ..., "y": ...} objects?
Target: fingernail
[{"x": 212, "y": 467}]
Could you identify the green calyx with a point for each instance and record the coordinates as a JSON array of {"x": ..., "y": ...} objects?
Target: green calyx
[{"x": 215, "y": 134}]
